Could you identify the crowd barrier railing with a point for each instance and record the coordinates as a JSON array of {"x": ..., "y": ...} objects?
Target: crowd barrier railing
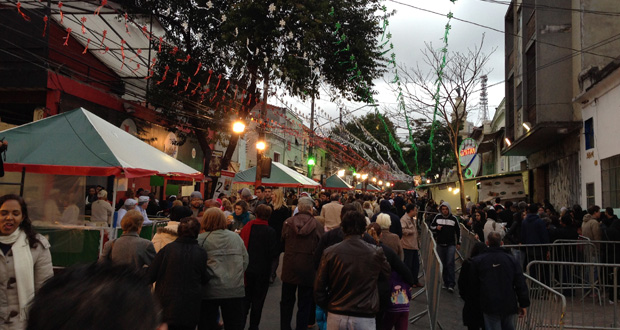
[
  {"x": 547, "y": 307},
  {"x": 591, "y": 291},
  {"x": 432, "y": 268}
]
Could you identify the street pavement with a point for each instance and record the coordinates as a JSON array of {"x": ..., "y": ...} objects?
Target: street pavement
[{"x": 449, "y": 316}]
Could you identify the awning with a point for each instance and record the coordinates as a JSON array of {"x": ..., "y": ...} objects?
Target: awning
[
  {"x": 540, "y": 137},
  {"x": 334, "y": 182},
  {"x": 79, "y": 143},
  {"x": 281, "y": 176},
  {"x": 488, "y": 142},
  {"x": 370, "y": 187}
]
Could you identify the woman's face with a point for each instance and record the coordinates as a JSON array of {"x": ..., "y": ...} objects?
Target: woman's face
[
  {"x": 478, "y": 216},
  {"x": 238, "y": 210},
  {"x": 10, "y": 217}
]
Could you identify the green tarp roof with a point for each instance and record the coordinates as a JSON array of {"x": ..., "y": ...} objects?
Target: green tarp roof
[
  {"x": 79, "y": 143},
  {"x": 281, "y": 176},
  {"x": 334, "y": 182},
  {"x": 370, "y": 187}
]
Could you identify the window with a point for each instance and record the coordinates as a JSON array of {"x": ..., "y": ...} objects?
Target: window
[
  {"x": 590, "y": 194},
  {"x": 588, "y": 128},
  {"x": 276, "y": 157},
  {"x": 610, "y": 181},
  {"x": 530, "y": 56}
]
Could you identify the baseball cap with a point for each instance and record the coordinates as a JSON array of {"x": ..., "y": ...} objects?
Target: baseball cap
[{"x": 195, "y": 194}]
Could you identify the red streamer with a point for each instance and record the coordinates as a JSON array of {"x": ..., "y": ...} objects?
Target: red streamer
[
  {"x": 106, "y": 50},
  {"x": 98, "y": 10},
  {"x": 219, "y": 79},
  {"x": 210, "y": 73},
  {"x": 86, "y": 49},
  {"x": 213, "y": 98},
  {"x": 137, "y": 68},
  {"x": 187, "y": 85},
  {"x": 184, "y": 60},
  {"x": 195, "y": 89},
  {"x": 122, "y": 53},
  {"x": 174, "y": 50},
  {"x": 161, "y": 40},
  {"x": 198, "y": 68},
  {"x": 83, "y": 28},
  {"x": 19, "y": 10},
  {"x": 227, "y": 85},
  {"x": 45, "y": 19},
  {"x": 67, "y": 37},
  {"x": 176, "y": 80},
  {"x": 164, "y": 77},
  {"x": 62, "y": 16},
  {"x": 146, "y": 33},
  {"x": 126, "y": 26}
]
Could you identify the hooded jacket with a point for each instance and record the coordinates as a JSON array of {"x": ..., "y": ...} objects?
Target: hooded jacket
[
  {"x": 534, "y": 230},
  {"x": 450, "y": 233},
  {"x": 300, "y": 238},
  {"x": 395, "y": 226},
  {"x": 590, "y": 228}
]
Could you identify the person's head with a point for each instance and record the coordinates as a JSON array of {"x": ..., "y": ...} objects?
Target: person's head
[
  {"x": 125, "y": 302},
  {"x": 179, "y": 212},
  {"x": 99, "y": 188},
  {"x": 177, "y": 203},
  {"x": 334, "y": 197},
  {"x": 241, "y": 207},
  {"x": 353, "y": 223},
  {"x": 92, "y": 191},
  {"x": 277, "y": 198},
  {"x": 130, "y": 193},
  {"x": 384, "y": 221},
  {"x": 259, "y": 192},
  {"x": 566, "y": 220},
  {"x": 13, "y": 215},
  {"x": 467, "y": 198},
  {"x": 212, "y": 203},
  {"x": 188, "y": 227},
  {"x": 522, "y": 206},
  {"x": 227, "y": 205},
  {"x": 195, "y": 199},
  {"x": 491, "y": 214},
  {"x": 246, "y": 194},
  {"x": 374, "y": 230},
  {"x": 221, "y": 196},
  {"x": 411, "y": 209},
  {"x": 480, "y": 215},
  {"x": 494, "y": 239},
  {"x": 304, "y": 205},
  {"x": 213, "y": 219},
  {"x": 143, "y": 201},
  {"x": 102, "y": 194},
  {"x": 609, "y": 212},
  {"x": 532, "y": 209},
  {"x": 130, "y": 204},
  {"x": 541, "y": 212},
  {"x": 367, "y": 205},
  {"x": 594, "y": 211},
  {"x": 324, "y": 197},
  {"x": 445, "y": 209},
  {"x": 346, "y": 208},
  {"x": 263, "y": 212},
  {"x": 320, "y": 219},
  {"x": 132, "y": 221},
  {"x": 267, "y": 193}
]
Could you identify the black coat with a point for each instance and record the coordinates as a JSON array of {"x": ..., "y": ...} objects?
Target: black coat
[
  {"x": 180, "y": 270},
  {"x": 472, "y": 314},
  {"x": 395, "y": 226},
  {"x": 261, "y": 250},
  {"x": 276, "y": 220}
]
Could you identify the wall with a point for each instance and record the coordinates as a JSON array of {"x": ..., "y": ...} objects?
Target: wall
[{"x": 604, "y": 110}]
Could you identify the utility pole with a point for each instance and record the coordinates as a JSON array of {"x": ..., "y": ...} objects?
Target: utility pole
[
  {"x": 311, "y": 158},
  {"x": 261, "y": 134},
  {"x": 340, "y": 116}
]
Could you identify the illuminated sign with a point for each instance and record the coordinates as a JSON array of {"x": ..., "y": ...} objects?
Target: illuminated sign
[{"x": 467, "y": 151}]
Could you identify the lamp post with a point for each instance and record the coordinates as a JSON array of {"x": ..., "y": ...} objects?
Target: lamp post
[{"x": 260, "y": 147}]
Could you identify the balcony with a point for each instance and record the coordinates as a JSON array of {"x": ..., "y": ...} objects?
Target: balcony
[{"x": 540, "y": 137}]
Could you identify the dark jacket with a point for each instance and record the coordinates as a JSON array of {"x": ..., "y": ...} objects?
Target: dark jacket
[
  {"x": 276, "y": 221},
  {"x": 180, "y": 270},
  {"x": 395, "y": 227},
  {"x": 346, "y": 282},
  {"x": 334, "y": 237},
  {"x": 450, "y": 233},
  {"x": 534, "y": 230},
  {"x": 261, "y": 249},
  {"x": 300, "y": 238},
  {"x": 501, "y": 283},
  {"x": 472, "y": 314},
  {"x": 399, "y": 202},
  {"x": 129, "y": 249}
]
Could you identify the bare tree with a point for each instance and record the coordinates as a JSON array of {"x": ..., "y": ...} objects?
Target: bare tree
[{"x": 445, "y": 101}]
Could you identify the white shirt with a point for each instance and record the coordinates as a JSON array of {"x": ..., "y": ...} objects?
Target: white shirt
[
  {"x": 102, "y": 211},
  {"x": 147, "y": 221}
]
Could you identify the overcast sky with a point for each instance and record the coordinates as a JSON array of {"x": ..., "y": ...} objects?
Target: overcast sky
[{"x": 411, "y": 28}]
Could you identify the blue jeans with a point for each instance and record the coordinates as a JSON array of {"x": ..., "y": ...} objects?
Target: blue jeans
[
  {"x": 344, "y": 322},
  {"x": 497, "y": 322},
  {"x": 446, "y": 255}
]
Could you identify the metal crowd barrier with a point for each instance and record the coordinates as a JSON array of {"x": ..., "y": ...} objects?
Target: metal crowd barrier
[
  {"x": 432, "y": 276},
  {"x": 547, "y": 307},
  {"x": 591, "y": 291}
]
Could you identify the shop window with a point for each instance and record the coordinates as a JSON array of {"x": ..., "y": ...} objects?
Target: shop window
[{"x": 588, "y": 128}]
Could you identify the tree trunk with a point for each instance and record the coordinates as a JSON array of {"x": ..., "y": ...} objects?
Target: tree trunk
[
  {"x": 205, "y": 146},
  {"x": 459, "y": 173},
  {"x": 234, "y": 138}
]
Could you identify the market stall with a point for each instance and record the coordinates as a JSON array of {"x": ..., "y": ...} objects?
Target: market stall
[
  {"x": 369, "y": 187},
  {"x": 281, "y": 176},
  {"x": 335, "y": 182},
  {"x": 47, "y": 163}
]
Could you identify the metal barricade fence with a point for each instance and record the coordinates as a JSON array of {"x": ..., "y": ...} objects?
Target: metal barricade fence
[
  {"x": 547, "y": 307},
  {"x": 432, "y": 276},
  {"x": 591, "y": 291}
]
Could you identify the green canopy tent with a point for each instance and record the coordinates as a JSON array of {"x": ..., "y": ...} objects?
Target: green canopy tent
[
  {"x": 334, "y": 182},
  {"x": 281, "y": 176},
  {"x": 370, "y": 187}
]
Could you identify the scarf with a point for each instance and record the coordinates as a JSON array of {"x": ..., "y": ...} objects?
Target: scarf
[
  {"x": 245, "y": 231},
  {"x": 24, "y": 268},
  {"x": 243, "y": 218}
]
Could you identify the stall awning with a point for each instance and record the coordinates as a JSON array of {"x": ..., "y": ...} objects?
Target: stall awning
[
  {"x": 281, "y": 176},
  {"x": 370, "y": 187},
  {"x": 334, "y": 182},
  {"x": 79, "y": 143}
]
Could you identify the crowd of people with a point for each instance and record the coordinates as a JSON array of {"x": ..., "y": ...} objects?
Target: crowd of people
[{"x": 350, "y": 261}]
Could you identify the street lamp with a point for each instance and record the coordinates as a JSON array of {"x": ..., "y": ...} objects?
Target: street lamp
[
  {"x": 311, "y": 161},
  {"x": 357, "y": 175},
  {"x": 387, "y": 184},
  {"x": 341, "y": 173},
  {"x": 428, "y": 180},
  {"x": 260, "y": 145},
  {"x": 380, "y": 182},
  {"x": 364, "y": 176},
  {"x": 238, "y": 127},
  {"x": 374, "y": 179}
]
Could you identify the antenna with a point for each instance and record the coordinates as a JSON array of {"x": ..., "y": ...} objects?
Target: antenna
[{"x": 484, "y": 100}]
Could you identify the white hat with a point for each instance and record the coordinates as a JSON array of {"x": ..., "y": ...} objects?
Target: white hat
[
  {"x": 143, "y": 199},
  {"x": 173, "y": 196},
  {"x": 130, "y": 202}
]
